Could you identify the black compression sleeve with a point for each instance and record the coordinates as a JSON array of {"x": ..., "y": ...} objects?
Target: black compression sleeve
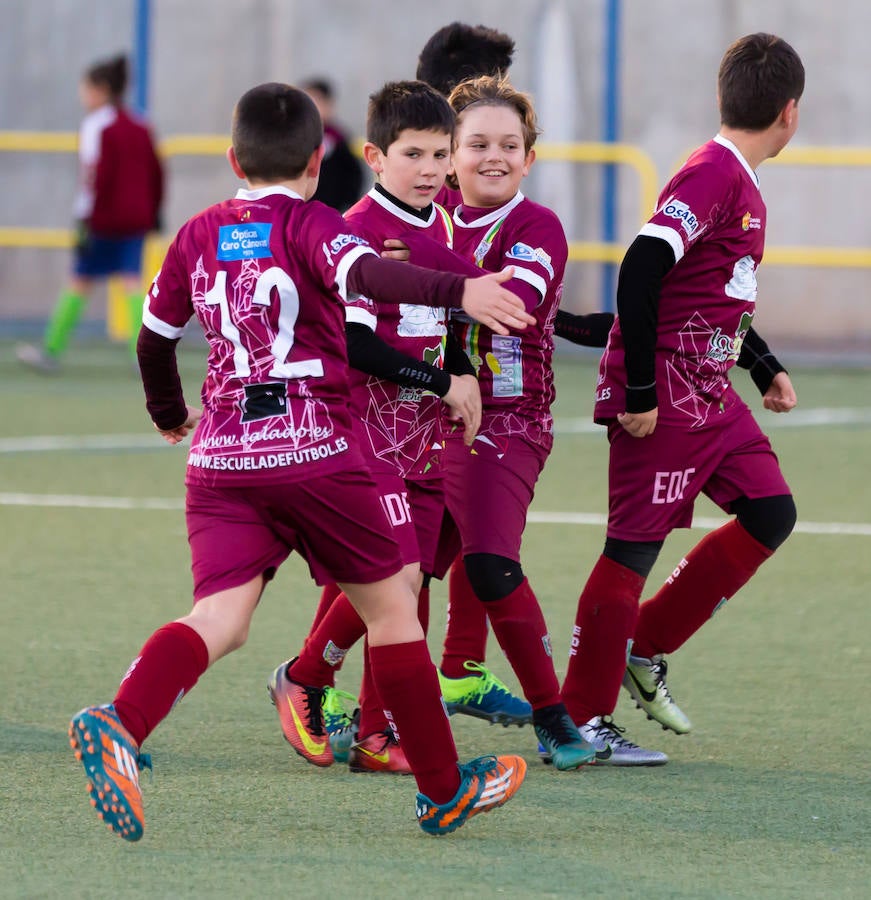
[
  {"x": 456, "y": 361},
  {"x": 369, "y": 353},
  {"x": 761, "y": 362},
  {"x": 646, "y": 263},
  {"x": 588, "y": 331}
]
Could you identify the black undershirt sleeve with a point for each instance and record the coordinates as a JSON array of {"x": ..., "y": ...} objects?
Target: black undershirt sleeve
[
  {"x": 646, "y": 263},
  {"x": 762, "y": 364},
  {"x": 589, "y": 330},
  {"x": 369, "y": 353},
  {"x": 456, "y": 361},
  {"x": 164, "y": 398}
]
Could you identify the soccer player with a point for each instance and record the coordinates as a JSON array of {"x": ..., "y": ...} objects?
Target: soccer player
[
  {"x": 274, "y": 465},
  {"x": 686, "y": 296},
  {"x": 403, "y": 362},
  {"x": 490, "y": 485},
  {"x": 453, "y": 54},
  {"x": 118, "y": 202}
]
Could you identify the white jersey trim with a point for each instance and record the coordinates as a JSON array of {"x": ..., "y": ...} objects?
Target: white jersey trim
[
  {"x": 725, "y": 142},
  {"x": 400, "y": 213},
  {"x": 361, "y": 317},
  {"x": 536, "y": 281},
  {"x": 490, "y": 217},
  {"x": 344, "y": 266},
  {"x": 158, "y": 326},
  {"x": 664, "y": 233},
  {"x": 259, "y": 193}
]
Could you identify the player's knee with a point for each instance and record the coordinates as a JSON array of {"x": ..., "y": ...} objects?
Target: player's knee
[
  {"x": 639, "y": 556},
  {"x": 492, "y": 577},
  {"x": 768, "y": 520}
]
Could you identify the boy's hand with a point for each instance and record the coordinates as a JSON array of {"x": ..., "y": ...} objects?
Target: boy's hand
[
  {"x": 175, "y": 435},
  {"x": 639, "y": 425},
  {"x": 464, "y": 400},
  {"x": 395, "y": 249},
  {"x": 486, "y": 301},
  {"x": 780, "y": 396}
]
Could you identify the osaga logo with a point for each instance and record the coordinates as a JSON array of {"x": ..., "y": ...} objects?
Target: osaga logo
[
  {"x": 343, "y": 240},
  {"x": 680, "y": 211},
  {"x": 526, "y": 253}
]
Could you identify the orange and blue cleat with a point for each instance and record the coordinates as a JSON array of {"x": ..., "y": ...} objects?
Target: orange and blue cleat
[
  {"x": 485, "y": 784},
  {"x": 112, "y": 763}
]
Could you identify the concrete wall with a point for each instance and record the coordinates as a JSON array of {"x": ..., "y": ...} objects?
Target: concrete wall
[{"x": 205, "y": 53}]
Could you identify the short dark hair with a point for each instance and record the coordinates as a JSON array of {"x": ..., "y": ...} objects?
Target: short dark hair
[
  {"x": 759, "y": 74},
  {"x": 110, "y": 74},
  {"x": 321, "y": 86},
  {"x": 406, "y": 104},
  {"x": 275, "y": 130},
  {"x": 459, "y": 51}
]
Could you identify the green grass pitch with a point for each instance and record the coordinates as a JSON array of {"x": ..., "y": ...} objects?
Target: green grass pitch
[{"x": 767, "y": 797}]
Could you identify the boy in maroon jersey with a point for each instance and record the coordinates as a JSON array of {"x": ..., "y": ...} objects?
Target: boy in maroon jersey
[
  {"x": 677, "y": 428},
  {"x": 405, "y": 367},
  {"x": 274, "y": 465},
  {"x": 490, "y": 485}
]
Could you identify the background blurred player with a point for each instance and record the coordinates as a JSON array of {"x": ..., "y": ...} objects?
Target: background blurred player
[{"x": 118, "y": 201}]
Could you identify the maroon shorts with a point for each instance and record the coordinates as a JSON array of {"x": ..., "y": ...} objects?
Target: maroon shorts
[
  {"x": 335, "y": 522},
  {"x": 488, "y": 491},
  {"x": 654, "y": 481},
  {"x": 422, "y": 526}
]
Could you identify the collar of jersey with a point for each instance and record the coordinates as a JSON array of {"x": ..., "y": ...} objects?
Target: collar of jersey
[
  {"x": 395, "y": 208},
  {"x": 260, "y": 193},
  {"x": 488, "y": 218},
  {"x": 725, "y": 142}
]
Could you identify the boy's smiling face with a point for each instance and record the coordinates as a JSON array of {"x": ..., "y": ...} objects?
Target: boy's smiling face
[{"x": 414, "y": 167}]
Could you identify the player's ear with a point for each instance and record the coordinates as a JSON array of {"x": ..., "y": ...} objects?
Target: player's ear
[
  {"x": 313, "y": 168},
  {"x": 374, "y": 157},
  {"x": 234, "y": 164},
  {"x": 527, "y": 163}
]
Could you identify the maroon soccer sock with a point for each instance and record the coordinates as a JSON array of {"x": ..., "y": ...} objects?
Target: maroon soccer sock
[
  {"x": 328, "y": 595},
  {"x": 372, "y": 718},
  {"x": 520, "y": 628},
  {"x": 325, "y": 647},
  {"x": 466, "y": 635},
  {"x": 604, "y": 625},
  {"x": 715, "y": 569},
  {"x": 408, "y": 686},
  {"x": 167, "y": 667}
]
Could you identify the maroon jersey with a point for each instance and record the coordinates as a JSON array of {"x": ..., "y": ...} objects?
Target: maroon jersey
[
  {"x": 712, "y": 215},
  {"x": 120, "y": 177},
  {"x": 399, "y": 426},
  {"x": 514, "y": 371},
  {"x": 265, "y": 275}
]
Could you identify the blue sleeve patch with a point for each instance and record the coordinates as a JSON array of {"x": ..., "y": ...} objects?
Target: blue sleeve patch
[
  {"x": 525, "y": 253},
  {"x": 248, "y": 241}
]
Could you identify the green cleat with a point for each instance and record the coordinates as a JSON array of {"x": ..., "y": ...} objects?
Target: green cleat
[
  {"x": 341, "y": 727},
  {"x": 483, "y": 696},
  {"x": 645, "y": 680}
]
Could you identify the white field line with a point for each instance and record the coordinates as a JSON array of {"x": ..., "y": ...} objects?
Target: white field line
[
  {"x": 74, "y": 501},
  {"x": 800, "y": 418}
]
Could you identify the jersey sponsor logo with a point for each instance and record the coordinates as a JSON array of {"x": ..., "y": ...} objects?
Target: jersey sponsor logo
[
  {"x": 343, "y": 240},
  {"x": 680, "y": 211},
  {"x": 722, "y": 348},
  {"x": 669, "y": 487},
  {"x": 421, "y": 321},
  {"x": 248, "y": 241},
  {"x": 506, "y": 363},
  {"x": 525, "y": 253},
  {"x": 742, "y": 284},
  {"x": 750, "y": 223}
]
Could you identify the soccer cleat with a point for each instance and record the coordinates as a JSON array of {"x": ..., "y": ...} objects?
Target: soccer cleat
[
  {"x": 300, "y": 710},
  {"x": 341, "y": 728},
  {"x": 485, "y": 784},
  {"x": 484, "y": 696},
  {"x": 112, "y": 762},
  {"x": 612, "y": 749},
  {"x": 645, "y": 680},
  {"x": 559, "y": 739},
  {"x": 36, "y": 358},
  {"x": 379, "y": 752}
]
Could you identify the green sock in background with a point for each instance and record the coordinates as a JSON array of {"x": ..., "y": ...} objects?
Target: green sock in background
[
  {"x": 134, "y": 304},
  {"x": 63, "y": 321}
]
